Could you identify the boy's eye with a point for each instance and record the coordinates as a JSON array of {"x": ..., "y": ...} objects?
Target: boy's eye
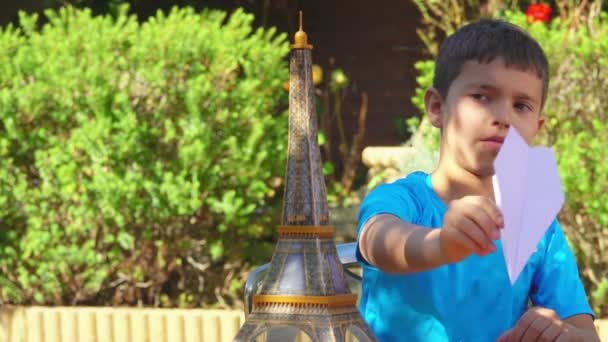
[
  {"x": 480, "y": 97},
  {"x": 522, "y": 107}
]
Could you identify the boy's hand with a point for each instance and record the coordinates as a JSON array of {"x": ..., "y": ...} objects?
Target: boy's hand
[
  {"x": 541, "y": 324},
  {"x": 469, "y": 226}
]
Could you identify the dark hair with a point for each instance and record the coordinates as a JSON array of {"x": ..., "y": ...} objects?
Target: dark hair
[{"x": 483, "y": 41}]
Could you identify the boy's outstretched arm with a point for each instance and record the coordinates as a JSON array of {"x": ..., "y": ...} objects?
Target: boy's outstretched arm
[
  {"x": 385, "y": 240},
  {"x": 469, "y": 226}
]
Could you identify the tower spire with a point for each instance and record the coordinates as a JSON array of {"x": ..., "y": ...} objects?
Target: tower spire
[{"x": 301, "y": 38}]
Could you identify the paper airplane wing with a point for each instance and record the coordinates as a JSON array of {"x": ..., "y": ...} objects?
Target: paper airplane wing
[
  {"x": 544, "y": 200},
  {"x": 510, "y": 192}
]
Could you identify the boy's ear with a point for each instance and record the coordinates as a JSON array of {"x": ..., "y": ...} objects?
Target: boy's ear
[
  {"x": 433, "y": 102},
  {"x": 541, "y": 121}
]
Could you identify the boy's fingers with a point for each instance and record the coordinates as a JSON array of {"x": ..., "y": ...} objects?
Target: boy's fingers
[
  {"x": 472, "y": 231},
  {"x": 473, "y": 209},
  {"x": 551, "y": 333},
  {"x": 536, "y": 328},
  {"x": 518, "y": 331},
  {"x": 463, "y": 240},
  {"x": 563, "y": 337},
  {"x": 540, "y": 316},
  {"x": 490, "y": 208},
  {"x": 484, "y": 221},
  {"x": 521, "y": 326},
  {"x": 505, "y": 336}
]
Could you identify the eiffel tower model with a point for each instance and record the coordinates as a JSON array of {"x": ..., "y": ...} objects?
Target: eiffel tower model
[{"x": 305, "y": 289}]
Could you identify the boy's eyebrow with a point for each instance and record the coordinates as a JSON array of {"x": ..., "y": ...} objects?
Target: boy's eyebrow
[
  {"x": 524, "y": 96},
  {"x": 481, "y": 85}
]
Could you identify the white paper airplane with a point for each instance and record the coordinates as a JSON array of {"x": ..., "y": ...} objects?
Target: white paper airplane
[{"x": 528, "y": 191}]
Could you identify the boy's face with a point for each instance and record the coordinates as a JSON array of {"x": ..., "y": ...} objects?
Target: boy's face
[{"x": 481, "y": 104}]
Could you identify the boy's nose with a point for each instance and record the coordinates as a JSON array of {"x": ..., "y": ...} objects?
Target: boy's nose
[
  {"x": 501, "y": 120},
  {"x": 501, "y": 116}
]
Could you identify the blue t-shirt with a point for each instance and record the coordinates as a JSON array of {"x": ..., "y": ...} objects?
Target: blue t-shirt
[{"x": 472, "y": 300}]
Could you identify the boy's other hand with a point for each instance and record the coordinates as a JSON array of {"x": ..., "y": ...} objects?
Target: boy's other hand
[
  {"x": 470, "y": 225},
  {"x": 542, "y": 324}
]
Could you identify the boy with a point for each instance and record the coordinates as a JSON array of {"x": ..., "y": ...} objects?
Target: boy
[{"x": 451, "y": 284}]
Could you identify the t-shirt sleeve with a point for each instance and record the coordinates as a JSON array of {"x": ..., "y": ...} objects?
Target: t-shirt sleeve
[
  {"x": 391, "y": 199},
  {"x": 557, "y": 283}
]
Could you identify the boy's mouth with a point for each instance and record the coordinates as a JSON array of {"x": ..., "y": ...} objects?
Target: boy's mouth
[
  {"x": 495, "y": 138},
  {"x": 494, "y": 142}
]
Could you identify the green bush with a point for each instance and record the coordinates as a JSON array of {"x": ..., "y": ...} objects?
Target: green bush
[
  {"x": 577, "y": 122},
  {"x": 139, "y": 162}
]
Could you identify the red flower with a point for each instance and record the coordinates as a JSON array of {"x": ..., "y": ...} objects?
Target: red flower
[{"x": 538, "y": 12}]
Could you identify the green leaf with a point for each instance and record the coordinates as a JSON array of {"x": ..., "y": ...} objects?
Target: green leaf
[
  {"x": 321, "y": 138},
  {"x": 125, "y": 240},
  {"x": 216, "y": 250},
  {"x": 38, "y": 298},
  {"x": 328, "y": 168}
]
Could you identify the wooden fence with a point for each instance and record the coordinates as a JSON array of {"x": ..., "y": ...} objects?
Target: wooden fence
[{"x": 101, "y": 324}]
